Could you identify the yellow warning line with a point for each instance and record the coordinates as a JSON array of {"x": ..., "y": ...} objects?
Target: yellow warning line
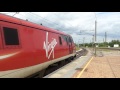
[{"x": 79, "y": 75}]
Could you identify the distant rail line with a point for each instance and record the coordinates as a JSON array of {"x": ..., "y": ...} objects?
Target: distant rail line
[{"x": 111, "y": 48}]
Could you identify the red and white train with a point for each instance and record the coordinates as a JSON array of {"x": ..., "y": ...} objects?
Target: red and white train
[{"x": 26, "y": 47}]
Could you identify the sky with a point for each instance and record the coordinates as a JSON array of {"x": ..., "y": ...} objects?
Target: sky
[{"x": 80, "y": 25}]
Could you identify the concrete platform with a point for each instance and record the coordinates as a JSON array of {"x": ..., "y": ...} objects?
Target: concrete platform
[{"x": 106, "y": 65}]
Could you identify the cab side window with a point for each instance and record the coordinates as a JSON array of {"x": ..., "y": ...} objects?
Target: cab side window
[
  {"x": 60, "y": 40},
  {"x": 65, "y": 38},
  {"x": 10, "y": 36},
  {"x": 70, "y": 40}
]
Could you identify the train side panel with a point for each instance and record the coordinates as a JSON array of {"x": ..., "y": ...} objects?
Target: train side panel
[
  {"x": 25, "y": 50},
  {"x": 48, "y": 47},
  {"x": 15, "y": 56}
]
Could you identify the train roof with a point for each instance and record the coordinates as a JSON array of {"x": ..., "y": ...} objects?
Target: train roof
[{"x": 18, "y": 21}]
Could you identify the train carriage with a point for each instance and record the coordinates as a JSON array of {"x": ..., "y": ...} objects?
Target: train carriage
[{"x": 26, "y": 47}]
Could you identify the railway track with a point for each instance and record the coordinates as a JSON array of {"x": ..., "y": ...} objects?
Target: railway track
[
  {"x": 51, "y": 69},
  {"x": 58, "y": 65}
]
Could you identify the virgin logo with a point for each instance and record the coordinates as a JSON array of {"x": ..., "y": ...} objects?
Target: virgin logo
[{"x": 49, "y": 47}]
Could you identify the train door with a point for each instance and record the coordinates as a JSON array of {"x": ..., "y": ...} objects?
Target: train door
[
  {"x": 0, "y": 39},
  {"x": 70, "y": 45}
]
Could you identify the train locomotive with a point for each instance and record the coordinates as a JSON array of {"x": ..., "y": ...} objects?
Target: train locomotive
[{"x": 27, "y": 48}]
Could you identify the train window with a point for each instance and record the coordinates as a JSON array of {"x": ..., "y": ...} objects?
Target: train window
[
  {"x": 11, "y": 36},
  {"x": 70, "y": 39},
  {"x": 65, "y": 38},
  {"x": 60, "y": 40}
]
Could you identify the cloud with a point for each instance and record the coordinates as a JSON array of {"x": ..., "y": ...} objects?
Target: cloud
[{"x": 75, "y": 22}]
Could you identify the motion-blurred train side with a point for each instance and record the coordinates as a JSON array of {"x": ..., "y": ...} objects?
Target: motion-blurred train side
[{"x": 26, "y": 47}]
